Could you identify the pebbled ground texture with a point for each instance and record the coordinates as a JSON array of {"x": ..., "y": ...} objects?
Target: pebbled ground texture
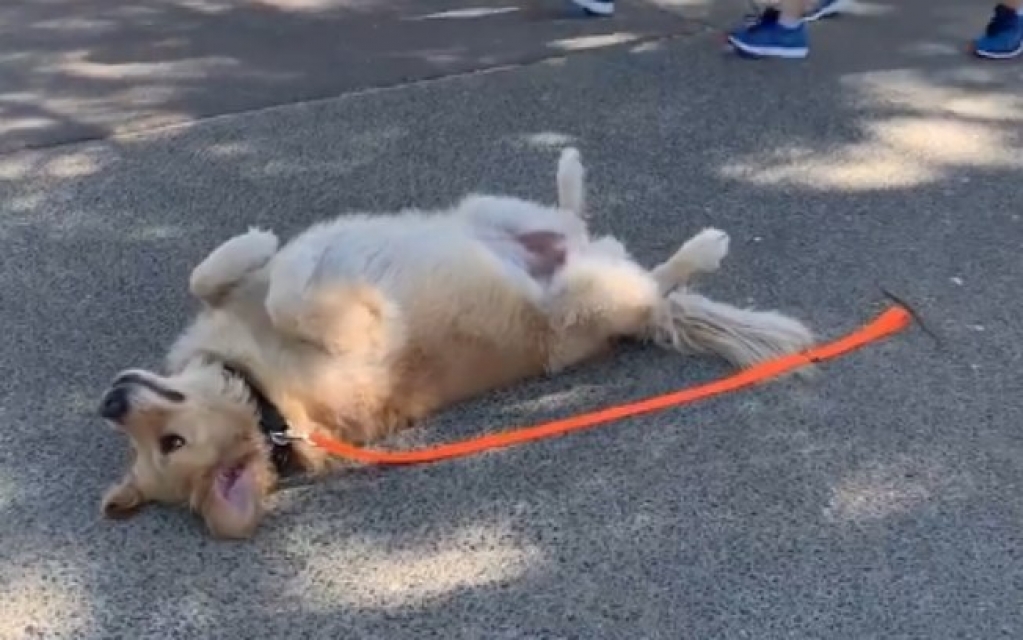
[{"x": 881, "y": 500}]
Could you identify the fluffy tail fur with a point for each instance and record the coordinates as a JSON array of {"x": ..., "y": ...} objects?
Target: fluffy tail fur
[
  {"x": 571, "y": 177},
  {"x": 229, "y": 263},
  {"x": 690, "y": 322}
]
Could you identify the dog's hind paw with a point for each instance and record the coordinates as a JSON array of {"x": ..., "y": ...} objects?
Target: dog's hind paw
[{"x": 707, "y": 249}]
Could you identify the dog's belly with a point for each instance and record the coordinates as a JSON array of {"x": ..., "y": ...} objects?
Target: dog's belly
[
  {"x": 468, "y": 299},
  {"x": 478, "y": 323},
  {"x": 437, "y": 376}
]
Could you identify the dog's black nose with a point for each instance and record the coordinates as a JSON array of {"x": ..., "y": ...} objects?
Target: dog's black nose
[{"x": 115, "y": 404}]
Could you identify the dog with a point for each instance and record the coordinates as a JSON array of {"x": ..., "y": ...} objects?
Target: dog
[{"x": 368, "y": 323}]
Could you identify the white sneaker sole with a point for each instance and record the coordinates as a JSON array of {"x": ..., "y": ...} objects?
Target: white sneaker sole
[
  {"x": 773, "y": 52},
  {"x": 991, "y": 55},
  {"x": 600, "y": 8}
]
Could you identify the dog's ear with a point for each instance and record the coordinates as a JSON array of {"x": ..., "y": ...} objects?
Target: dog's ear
[
  {"x": 231, "y": 511},
  {"x": 123, "y": 500}
]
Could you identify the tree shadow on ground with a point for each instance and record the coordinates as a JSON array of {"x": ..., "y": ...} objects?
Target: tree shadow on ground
[
  {"x": 879, "y": 500},
  {"x": 86, "y": 69}
]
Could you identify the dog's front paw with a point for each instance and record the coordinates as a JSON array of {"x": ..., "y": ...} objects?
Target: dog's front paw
[{"x": 707, "y": 249}]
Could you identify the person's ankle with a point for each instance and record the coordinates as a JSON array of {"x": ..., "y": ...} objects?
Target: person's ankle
[{"x": 790, "y": 23}]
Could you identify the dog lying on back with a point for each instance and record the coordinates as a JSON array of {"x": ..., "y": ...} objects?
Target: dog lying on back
[{"x": 365, "y": 324}]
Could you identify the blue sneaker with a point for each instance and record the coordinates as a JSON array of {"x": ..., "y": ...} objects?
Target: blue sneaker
[
  {"x": 1003, "y": 37},
  {"x": 769, "y": 38},
  {"x": 825, "y": 9},
  {"x": 593, "y": 8}
]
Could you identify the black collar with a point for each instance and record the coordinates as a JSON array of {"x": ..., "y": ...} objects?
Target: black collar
[{"x": 273, "y": 425}]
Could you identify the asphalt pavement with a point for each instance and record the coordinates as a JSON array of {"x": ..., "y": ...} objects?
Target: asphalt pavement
[{"x": 883, "y": 499}]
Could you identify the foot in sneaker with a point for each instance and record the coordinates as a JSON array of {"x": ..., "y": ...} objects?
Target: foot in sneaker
[
  {"x": 592, "y": 8},
  {"x": 1003, "y": 37},
  {"x": 769, "y": 37}
]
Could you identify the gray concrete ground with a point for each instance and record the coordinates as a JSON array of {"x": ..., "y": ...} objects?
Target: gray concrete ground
[
  {"x": 882, "y": 500},
  {"x": 83, "y": 69}
]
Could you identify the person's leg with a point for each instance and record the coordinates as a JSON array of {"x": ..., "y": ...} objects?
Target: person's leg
[
  {"x": 818, "y": 9},
  {"x": 812, "y": 9},
  {"x": 1003, "y": 37},
  {"x": 779, "y": 33},
  {"x": 595, "y": 8}
]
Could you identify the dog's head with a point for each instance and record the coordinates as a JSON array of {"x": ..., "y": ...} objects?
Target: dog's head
[{"x": 195, "y": 441}]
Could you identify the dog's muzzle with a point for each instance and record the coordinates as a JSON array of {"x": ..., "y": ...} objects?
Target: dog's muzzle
[{"x": 115, "y": 403}]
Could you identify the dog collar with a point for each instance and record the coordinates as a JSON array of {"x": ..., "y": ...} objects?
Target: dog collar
[{"x": 272, "y": 423}]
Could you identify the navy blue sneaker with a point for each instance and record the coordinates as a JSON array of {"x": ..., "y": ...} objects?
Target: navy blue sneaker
[
  {"x": 767, "y": 37},
  {"x": 593, "y": 8},
  {"x": 1003, "y": 37}
]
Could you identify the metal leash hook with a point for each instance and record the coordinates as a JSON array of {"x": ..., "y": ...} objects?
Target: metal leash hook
[{"x": 284, "y": 438}]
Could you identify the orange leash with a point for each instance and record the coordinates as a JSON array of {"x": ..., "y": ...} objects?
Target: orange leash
[{"x": 892, "y": 321}]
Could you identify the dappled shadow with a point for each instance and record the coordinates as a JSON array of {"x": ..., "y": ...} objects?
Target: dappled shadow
[
  {"x": 84, "y": 69},
  {"x": 914, "y": 127},
  {"x": 856, "y": 505}
]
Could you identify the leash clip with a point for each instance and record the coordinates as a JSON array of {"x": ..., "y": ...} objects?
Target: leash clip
[{"x": 283, "y": 438}]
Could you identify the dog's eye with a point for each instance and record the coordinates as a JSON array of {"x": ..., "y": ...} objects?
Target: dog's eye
[{"x": 170, "y": 443}]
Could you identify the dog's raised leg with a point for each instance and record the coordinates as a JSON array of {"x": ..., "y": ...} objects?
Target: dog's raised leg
[
  {"x": 702, "y": 253},
  {"x": 571, "y": 182},
  {"x": 229, "y": 263},
  {"x": 339, "y": 315},
  {"x": 691, "y": 323}
]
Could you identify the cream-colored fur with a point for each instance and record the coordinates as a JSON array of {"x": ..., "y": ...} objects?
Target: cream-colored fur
[{"x": 367, "y": 323}]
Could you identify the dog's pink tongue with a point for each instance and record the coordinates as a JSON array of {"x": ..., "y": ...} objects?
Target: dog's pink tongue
[{"x": 238, "y": 489}]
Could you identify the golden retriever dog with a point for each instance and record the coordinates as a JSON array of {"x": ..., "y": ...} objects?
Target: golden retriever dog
[{"x": 367, "y": 323}]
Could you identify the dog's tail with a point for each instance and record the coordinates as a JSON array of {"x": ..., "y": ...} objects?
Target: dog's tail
[
  {"x": 229, "y": 263},
  {"x": 571, "y": 176},
  {"x": 689, "y": 322}
]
